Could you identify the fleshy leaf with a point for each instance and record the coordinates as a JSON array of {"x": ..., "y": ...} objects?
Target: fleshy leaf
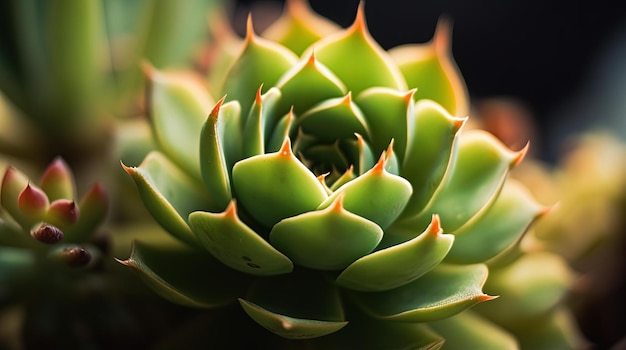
[
  {"x": 398, "y": 265},
  {"x": 390, "y": 113},
  {"x": 184, "y": 275},
  {"x": 328, "y": 239},
  {"x": 469, "y": 331},
  {"x": 299, "y": 27},
  {"x": 179, "y": 105},
  {"x": 441, "y": 293},
  {"x": 497, "y": 228},
  {"x": 529, "y": 288},
  {"x": 258, "y": 124},
  {"x": 275, "y": 186},
  {"x": 57, "y": 181},
  {"x": 262, "y": 62},
  {"x": 13, "y": 183},
  {"x": 306, "y": 84},
  {"x": 213, "y": 165},
  {"x": 169, "y": 194},
  {"x": 369, "y": 333},
  {"x": 93, "y": 208},
  {"x": 33, "y": 202},
  {"x": 236, "y": 245},
  {"x": 429, "y": 149},
  {"x": 431, "y": 69},
  {"x": 276, "y": 304},
  {"x": 474, "y": 182},
  {"x": 376, "y": 195},
  {"x": 280, "y": 132},
  {"x": 334, "y": 119},
  {"x": 372, "y": 68}
]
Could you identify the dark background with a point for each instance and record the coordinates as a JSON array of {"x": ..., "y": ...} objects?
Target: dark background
[{"x": 545, "y": 54}]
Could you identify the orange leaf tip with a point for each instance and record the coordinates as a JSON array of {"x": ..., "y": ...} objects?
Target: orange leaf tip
[
  {"x": 435, "y": 225},
  {"x": 443, "y": 33},
  {"x": 359, "y": 24},
  {"x": 389, "y": 151},
  {"x": 285, "y": 149},
  {"x": 347, "y": 100},
  {"x": 216, "y": 109},
  {"x": 250, "y": 34},
  {"x": 520, "y": 155},
  {"x": 231, "y": 209},
  {"x": 338, "y": 203},
  {"x": 257, "y": 98},
  {"x": 379, "y": 168},
  {"x": 409, "y": 95}
]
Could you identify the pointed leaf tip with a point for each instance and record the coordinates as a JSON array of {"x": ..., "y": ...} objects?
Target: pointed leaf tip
[
  {"x": 443, "y": 34},
  {"x": 216, "y": 109},
  {"x": 359, "y": 21},
  {"x": 521, "y": 154},
  {"x": 347, "y": 100},
  {"x": 435, "y": 225},
  {"x": 285, "y": 149},
  {"x": 379, "y": 168},
  {"x": 33, "y": 201},
  {"x": 250, "y": 35}
]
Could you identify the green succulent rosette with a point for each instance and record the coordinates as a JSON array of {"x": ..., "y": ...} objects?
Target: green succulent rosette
[{"x": 332, "y": 192}]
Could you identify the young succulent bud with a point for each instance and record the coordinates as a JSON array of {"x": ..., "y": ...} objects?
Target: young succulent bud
[
  {"x": 47, "y": 233},
  {"x": 33, "y": 202},
  {"x": 72, "y": 255},
  {"x": 58, "y": 181},
  {"x": 63, "y": 212}
]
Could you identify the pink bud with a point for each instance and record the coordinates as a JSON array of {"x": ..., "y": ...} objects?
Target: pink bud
[
  {"x": 63, "y": 212},
  {"x": 57, "y": 181},
  {"x": 33, "y": 202}
]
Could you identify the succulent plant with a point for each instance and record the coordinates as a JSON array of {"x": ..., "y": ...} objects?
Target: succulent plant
[{"x": 333, "y": 193}]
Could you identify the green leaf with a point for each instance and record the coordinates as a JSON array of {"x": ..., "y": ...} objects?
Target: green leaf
[
  {"x": 376, "y": 195},
  {"x": 530, "y": 287},
  {"x": 498, "y": 228},
  {"x": 558, "y": 330},
  {"x": 57, "y": 181},
  {"x": 75, "y": 34},
  {"x": 431, "y": 69},
  {"x": 13, "y": 183},
  {"x": 357, "y": 59},
  {"x": 261, "y": 62},
  {"x": 213, "y": 141},
  {"x": 275, "y": 186},
  {"x": 429, "y": 150},
  {"x": 184, "y": 275},
  {"x": 398, "y": 265},
  {"x": 441, "y": 293},
  {"x": 236, "y": 245},
  {"x": 280, "y": 132},
  {"x": 259, "y": 123},
  {"x": 328, "y": 239},
  {"x": 474, "y": 181},
  {"x": 334, "y": 119},
  {"x": 390, "y": 113},
  {"x": 470, "y": 331},
  {"x": 169, "y": 194},
  {"x": 93, "y": 207},
  {"x": 364, "y": 332},
  {"x": 179, "y": 105},
  {"x": 299, "y": 27},
  {"x": 301, "y": 305},
  {"x": 306, "y": 84}
]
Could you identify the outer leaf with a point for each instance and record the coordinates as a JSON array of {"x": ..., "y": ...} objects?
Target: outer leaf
[
  {"x": 306, "y": 84},
  {"x": 473, "y": 183},
  {"x": 364, "y": 332},
  {"x": 441, "y": 293},
  {"x": 275, "y": 186},
  {"x": 13, "y": 183},
  {"x": 469, "y": 331},
  {"x": 161, "y": 267},
  {"x": 299, "y": 27},
  {"x": 376, "y": 195},
  {"x": 213, "y": 165},
  {"x": 431, "y": 69},
  {"x": 236, "y": 245},
  {"x": 179, "y": 105},
  {"x": 497, "y": 228},
  {"x": 276, "y": 304},
  {"x": 530, "y": 287},
  {"x": 261, "y": 62},
  {"x": 398, "y": 265},
  {"x": 169, "y": 194},
  {"x": 328, "y": 239},
  {"x": 390, "y": 113},
  {"x": 373, "y": 67},
  {"x": 429, "y": 150}
]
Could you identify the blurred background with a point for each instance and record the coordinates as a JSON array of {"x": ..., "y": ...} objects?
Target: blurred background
[{"x": 562, "y": 62}]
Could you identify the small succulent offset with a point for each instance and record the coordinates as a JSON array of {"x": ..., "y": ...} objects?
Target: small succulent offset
[{"x": 333, "y": 192}]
